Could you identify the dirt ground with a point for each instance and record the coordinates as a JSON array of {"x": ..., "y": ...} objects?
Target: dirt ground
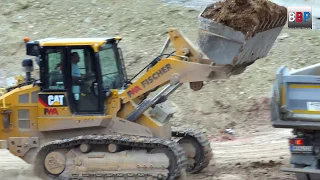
[
  {"x": 244, "y": 15},
  {"x": 256, "y": 157},
  {"x": 240, "y": 103}
]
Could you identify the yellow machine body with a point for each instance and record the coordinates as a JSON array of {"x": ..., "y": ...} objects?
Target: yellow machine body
[
  {"x": 84, "y": 118},
  {"x": 36, "y": 113}
]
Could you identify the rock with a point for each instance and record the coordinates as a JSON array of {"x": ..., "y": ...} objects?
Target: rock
[
  {"x": 281, "y": 157},
  {"x": 87, "y": 20},
  {"x": 204, "y": 130},
  {"x": 7, "y": 12},
  {"x": 24, "y": 4},
  {"x": 138, "y": 57},
  {"x": 229, "y": 177},
  {"x": 302, "y": 62},
  {"x": 283, "y": 36},
  {"x": 209, "y": 174}
]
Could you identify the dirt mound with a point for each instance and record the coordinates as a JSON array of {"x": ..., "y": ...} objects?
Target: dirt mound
[
  {"x": 245, "y": 15},
  {"x": 259, "y": 108},
  {"x": 262, "y": 164}
]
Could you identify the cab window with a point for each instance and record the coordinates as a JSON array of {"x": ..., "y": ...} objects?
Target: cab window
[
  {"x": 81, "y": 63},
  {"x": 53, "y": 60},
  {"x": 110, "y": 68}
]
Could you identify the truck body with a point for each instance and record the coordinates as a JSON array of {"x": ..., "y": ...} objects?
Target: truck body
[{"x": 295, "y": 104}]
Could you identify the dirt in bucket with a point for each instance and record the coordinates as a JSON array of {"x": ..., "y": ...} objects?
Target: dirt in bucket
[{"x": 245, "y": 15}]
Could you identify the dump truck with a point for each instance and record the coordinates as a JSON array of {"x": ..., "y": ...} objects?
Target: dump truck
[
  {"x": 295, "y": 105},
  {"x": 83, "y": 118}
]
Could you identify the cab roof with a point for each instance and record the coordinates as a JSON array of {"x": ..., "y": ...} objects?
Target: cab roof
[{"x": 74, "y": 41}]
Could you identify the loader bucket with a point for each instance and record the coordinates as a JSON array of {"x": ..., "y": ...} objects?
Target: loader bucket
[{"x": 226, "y": 46}]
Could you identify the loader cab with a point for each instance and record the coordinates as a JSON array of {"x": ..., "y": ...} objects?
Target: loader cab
[{"x": 83, "y": 69}]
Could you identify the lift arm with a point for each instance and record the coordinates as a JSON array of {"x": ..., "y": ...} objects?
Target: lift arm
[{"x": 188, "y": 65}]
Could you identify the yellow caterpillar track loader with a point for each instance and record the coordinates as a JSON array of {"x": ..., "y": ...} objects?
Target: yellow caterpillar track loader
[{"x": 84, "y": 119}]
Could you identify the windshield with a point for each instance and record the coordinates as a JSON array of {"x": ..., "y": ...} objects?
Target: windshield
[{"x": 110, "y": 68}]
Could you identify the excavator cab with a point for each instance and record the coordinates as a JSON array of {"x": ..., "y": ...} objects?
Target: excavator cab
[{"x": 79, "y": 73}]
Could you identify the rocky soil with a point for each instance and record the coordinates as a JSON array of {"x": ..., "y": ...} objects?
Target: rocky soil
[
  {"x": 240, "y": 103},
  {"x": 245, "y": 15}
]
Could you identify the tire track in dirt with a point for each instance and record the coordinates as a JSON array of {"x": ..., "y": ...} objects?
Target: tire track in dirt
[
  {"x": 269, "y": 145},
  {"x": 257, "y": 157}
]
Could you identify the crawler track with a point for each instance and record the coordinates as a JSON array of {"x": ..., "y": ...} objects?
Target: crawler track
[
  {"x": 129, "y": 141},
  {"x": 205, "y": 151}
]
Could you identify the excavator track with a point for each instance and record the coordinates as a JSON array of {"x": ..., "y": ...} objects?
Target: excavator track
[
  {"x": 180, "y": 160},
  {"x": 203, "y": 150}
]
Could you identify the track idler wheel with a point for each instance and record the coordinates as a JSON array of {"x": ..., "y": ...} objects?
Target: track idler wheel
[
  {"x": 196, "y": 147},
  {"x": 55, "y": 163},
  {"x": 51, "y": 165},
  {"x": 193, "y": 152}
]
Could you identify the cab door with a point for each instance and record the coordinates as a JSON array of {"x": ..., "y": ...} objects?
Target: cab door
[
  {"x": 52, "y": 101},
  {"x": 84, "y": 88}
]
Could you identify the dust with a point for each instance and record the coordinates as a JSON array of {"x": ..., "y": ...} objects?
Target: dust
[
  {"x": 24, "y": 173},
  {"x": 245, "y": 15}
]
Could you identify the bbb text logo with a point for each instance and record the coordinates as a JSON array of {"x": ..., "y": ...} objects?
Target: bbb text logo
[{"x": 300, "y": 17}]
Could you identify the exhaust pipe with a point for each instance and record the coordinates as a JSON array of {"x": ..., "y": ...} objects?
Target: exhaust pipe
[{"x": 27, "y": 66}]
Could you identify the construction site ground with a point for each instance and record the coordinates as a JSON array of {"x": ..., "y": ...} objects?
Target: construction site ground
[
  {"x": 256, "y": 157},
  {"x": 255, "y": 151}
]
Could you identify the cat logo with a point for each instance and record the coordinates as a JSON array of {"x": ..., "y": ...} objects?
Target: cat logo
[{"x": 55, "y": 100}]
